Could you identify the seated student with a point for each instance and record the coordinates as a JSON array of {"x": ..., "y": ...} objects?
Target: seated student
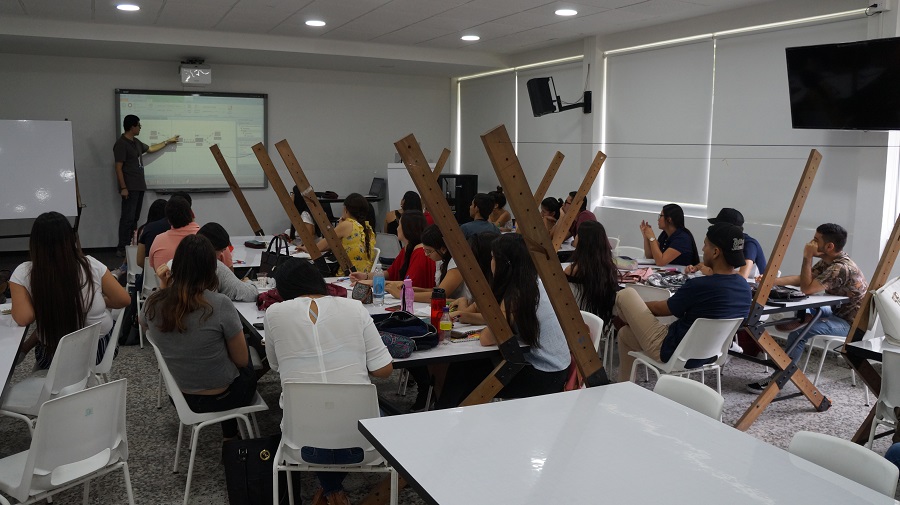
[
  {"x": 411, "y": 262},
  {"x": 308, "y": 221},
  {"x": 479, "y": 210},
  {"x": 722, "y": 295},
  {"x": 550, "y": 211},
  {"x": 675, "y": 245},
  {"x": 61, "y": 290},
  {"x": 240, "y": 290},
  {"x": 753, "y": 253},
  {"x": 155, "y": 226},
  {"x": 319, "y": 338},
  {"x": 594, "y": 271},
  {"x": 500, "y": 216},
  {"x": 835, "y": 274},
  {"x": 180, "y": 216},
  {"x": 356, "y": 233},
  {"x": 410, "y": 201},
  {"x": 198, "y": 333},
  {"x": 583, "y": 215}
]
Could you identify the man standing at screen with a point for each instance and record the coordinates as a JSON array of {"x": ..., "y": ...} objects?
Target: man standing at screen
[{"x": 129, "y": 152}]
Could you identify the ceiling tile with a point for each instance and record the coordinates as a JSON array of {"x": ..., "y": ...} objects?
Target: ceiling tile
[
  {"x": 106, "y": 12},
  {"x": 75, "y": 10},
  {"x": 191, "y": 15}
]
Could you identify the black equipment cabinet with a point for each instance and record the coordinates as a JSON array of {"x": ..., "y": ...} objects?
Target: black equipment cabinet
[{"x": 459, "y": 189}]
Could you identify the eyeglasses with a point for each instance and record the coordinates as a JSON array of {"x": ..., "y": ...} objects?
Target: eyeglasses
[{"x": 427, "y": 251}]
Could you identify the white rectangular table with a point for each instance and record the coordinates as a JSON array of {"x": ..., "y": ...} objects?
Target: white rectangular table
[
  {"x": 245, "y": 257},
  {"x": 612, "y": 444}
]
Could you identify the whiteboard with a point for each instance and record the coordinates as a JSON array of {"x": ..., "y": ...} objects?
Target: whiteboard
[{"x": 37, "y": 169}]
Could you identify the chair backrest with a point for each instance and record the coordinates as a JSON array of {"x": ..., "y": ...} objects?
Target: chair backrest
[
  {"x": 73, "y": 363},
  {"x": 692, "y": 394},
  {"x": 181, "y": 405},
  {"x": 377, "y": 256},
  {"x": 131, "y": 258},
  {"x": 846, "y": 458},
  {"x": 595, "y": 325},
  {"x": 76, "y": 435},
  {"x": 151, "y": 281},
  {"x": 388, "y": 243},
  {"x": 105, "y": 364},
  {"x": 613, "y": 242},
  {"x": 326, "y": 416},
  {"x": 707, "y": 338},
  {"x": 631, "y": 252},
  {"x": 890, "y": 382},
  {"x": 651, "y": 293}
]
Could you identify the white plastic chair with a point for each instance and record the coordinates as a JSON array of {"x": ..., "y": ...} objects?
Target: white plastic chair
[
  {"x": 834, "y": 343},
  {"x": 613, "y": 242},
  {"x": 133, "y": 269},
  {"x": 105, "y": 365},
  {"x": 595, "y": 325},
  {"x": 326, "y": 416},
  {"x": 692, "y": 394},
  {"x": 846, "y": 458},
  {"x": 198, "y": 421},
  {"x": 377, "y": 257},
  {"x": 151, "y": 284},
  {"x": 631, "y": 252},
  {"x": 388, "y": 243},
  {"x": 70, "y": 370},
  {"x": 707, "y": 338},
  {"x": 889, "y": 396},
  {"x": 78, "y": 437}
]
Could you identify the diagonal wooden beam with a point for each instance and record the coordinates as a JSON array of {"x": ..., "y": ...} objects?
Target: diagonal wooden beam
[
  {"x": 544, "y": 186},
  {"x": 236, "y": 190},
  {"x": 442, "y": 160},
  {"x": 563, "y": 225},
  {"x": 308, "y": 239},
  {"x": 315, "y": 207},
  {"x": 543, "y": 252}
]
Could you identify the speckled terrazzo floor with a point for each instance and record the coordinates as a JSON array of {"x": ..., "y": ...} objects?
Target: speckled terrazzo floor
[{"x": 152, "y": 431}]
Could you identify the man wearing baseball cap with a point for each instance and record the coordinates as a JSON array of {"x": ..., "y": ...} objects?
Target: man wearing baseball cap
[
  {"x": 753, "y": 252},
  {"x": 723, "y": 294}
]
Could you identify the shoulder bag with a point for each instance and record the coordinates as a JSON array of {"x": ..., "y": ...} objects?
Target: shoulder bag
[{"x": 269, "y": 260}]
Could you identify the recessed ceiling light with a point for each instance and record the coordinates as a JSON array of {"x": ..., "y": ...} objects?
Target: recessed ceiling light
[
  {"x": 315, "y": 22},
  {"x": 470, "y": 38},
  {"x": 128, "y": 7},
  {"x": 566, "y": 12}
]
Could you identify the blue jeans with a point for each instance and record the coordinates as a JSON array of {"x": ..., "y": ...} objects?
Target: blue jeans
[
  {"x": 893, "y": 454},
  {"x": 332, "y": 482},
  {"x": 828, "y": 324}
]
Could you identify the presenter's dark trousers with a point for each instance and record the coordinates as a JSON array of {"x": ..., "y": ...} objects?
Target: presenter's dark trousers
[{"x": 131, "y": 211}]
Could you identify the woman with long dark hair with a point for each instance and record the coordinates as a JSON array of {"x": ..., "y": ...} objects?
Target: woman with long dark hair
[
  {"x": 411, "y": 262},
  {"x": 61, "y": 289},
  {"x": 499, "y": 216},
  {"x": 303, "y": 208},
  {"x": 594, "y": 270},
  {"x": 550, "y": 211},
  {"x": 675, "y": 244},
  {"x": 199, "y": 334},
  {"x": 356, "y": 233},
  {"x": 410, "y": 201}
]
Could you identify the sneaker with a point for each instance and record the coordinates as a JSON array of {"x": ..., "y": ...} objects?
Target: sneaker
[
  {"x": 736, "y": 348},
  {"x": 758, "y": 387}
]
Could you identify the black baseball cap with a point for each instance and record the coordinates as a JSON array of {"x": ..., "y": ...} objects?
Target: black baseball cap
[
  {"x": 730, "y": 239},
  {"x": 728, "y": 215}
]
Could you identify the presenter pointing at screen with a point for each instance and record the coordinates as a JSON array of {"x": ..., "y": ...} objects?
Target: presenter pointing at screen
[{"x": 129, "y": 153}]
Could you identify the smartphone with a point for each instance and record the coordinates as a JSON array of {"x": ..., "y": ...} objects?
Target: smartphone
[{"x": 259, "y": 326}]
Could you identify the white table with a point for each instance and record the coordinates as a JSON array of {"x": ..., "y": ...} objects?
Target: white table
[
  {"x": 245, "y": 257},
  {"x": 10, "y": 338},
  {"x": 612, "y": 444}
]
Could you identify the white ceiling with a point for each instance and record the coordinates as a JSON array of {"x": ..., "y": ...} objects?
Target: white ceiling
[{"x": 417, "y": 36}]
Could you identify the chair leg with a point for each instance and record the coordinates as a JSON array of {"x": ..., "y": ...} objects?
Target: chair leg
[
  {"x": 275, "y": 499},
  {"x": 86, "y": 495},
  {"x": 178, "y": 446},
  {"x": 395, "y": 485},
  {"x": 128, "y": 489},
  {"x": 290, "y": 485},
  {"x": 403, "y": 381},
  {"x": 821, "y": 363},
  {"x": 812, "y": 346},
  {"x": 719, "y": 381},
  {"x": 872, "y": 430},
  {"x": 140, "y": 328},
  {"x": 256, "y": 432},
  {"x": 159, "y": 390},
  {"x": 634, "y": 371},
  {"x": 195, "y": 436}
]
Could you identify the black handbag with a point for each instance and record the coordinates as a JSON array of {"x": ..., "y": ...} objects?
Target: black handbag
[
  {"x": 248, "y": 471},
  {"x": 405, "y": 324},
  {"x": 786, "y": 294},
  {"x": 269, "y": 260}
]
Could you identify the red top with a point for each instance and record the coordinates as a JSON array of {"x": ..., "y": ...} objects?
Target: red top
[
  {"x": 428, "y": 218},
  {"x": 421, "y": 268}
]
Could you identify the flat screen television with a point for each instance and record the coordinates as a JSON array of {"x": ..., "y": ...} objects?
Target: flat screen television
[
  {"x": 233, "y": 121},
  {"x": 847, "y": 86}
]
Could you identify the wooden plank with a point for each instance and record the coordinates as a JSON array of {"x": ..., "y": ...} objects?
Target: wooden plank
[
  {"x": 565, "y": 222},
  {"x": 433, "y": 198},
  {"x": 308, "y": 239},
  {"x": 236, "y": 190},
  {"x": 543, "y": 252},
  {"x": 544, "y": 186},
  {"x": 315, "y": 207},
  {"x": 442, "y": 160}
]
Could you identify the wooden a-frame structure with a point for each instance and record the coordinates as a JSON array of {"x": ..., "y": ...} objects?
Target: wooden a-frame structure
[{"x": 236, "y": 190}]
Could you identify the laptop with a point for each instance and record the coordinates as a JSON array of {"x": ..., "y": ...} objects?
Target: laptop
[{"x": 376, "y": 190}]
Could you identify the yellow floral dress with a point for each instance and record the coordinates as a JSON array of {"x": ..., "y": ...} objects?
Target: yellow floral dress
[{"x": 355, "y": 245}]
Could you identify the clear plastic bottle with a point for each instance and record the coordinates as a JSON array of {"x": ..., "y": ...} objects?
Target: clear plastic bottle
[
  {"x": 378, "y": 285},
  {"x": 446, "y": 326}
]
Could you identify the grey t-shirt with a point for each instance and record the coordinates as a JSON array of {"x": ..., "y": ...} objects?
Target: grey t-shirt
[
  {"x": 198, "y": 358},
  {"x": 478, "y": 226}
]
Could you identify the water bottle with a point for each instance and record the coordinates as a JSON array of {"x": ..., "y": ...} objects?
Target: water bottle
[
  {"x": 438, "y": 301},
  {"x": 378, "y": 285},
  {"x": 446, "y": 326},
  {"x": 408, "y": 297}
]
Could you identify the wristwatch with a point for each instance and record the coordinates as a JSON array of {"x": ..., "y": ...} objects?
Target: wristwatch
[{"x": 652, "y": 239}]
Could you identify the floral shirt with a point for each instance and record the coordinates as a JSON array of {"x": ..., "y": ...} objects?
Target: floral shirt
[
  {"x": 842, "y": 277},
  {"x": 355, "y": 245}
]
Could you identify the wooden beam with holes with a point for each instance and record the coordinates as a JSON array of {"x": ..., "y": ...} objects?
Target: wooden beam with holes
[
  {"x": 308, "y": 239},
  {"x": 786, "y": 370},
  {"x": 434, "y": 199},
  {"x": 442, "y": 160},
  {"x": 544, "y": 186},
  {"x": 236, "y": 190},
  {"x": 562, "y": 226},
  {"x": 543, "y": 251},
  {"x": 315, "y": 207},
  {"x": 862, "y": 322}
]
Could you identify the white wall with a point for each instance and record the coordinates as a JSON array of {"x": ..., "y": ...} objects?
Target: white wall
[{"x": 341, "y": 126}]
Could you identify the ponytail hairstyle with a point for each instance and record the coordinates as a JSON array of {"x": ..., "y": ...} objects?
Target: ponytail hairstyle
[
  {"x": 499, "y": 197},
  {"x": 60, "y": 275},
  {"x": 193, "y": 272},
  {"x": 433, "y": 238},
  {"x": 674, "y": 212},
  {"x": 594, "y": 269},
  {"x": 411, "y": 201},
  {"x": 552, "y": 205},
  {"x": 412, "y": 222},
  {"x": 515, "y": 284},
  {"x": 360, "y": 210}
]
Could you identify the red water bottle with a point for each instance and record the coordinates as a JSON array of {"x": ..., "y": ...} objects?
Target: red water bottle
[{"x": 438, "y": 300}]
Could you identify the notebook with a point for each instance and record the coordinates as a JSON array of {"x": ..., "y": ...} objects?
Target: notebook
[{"x": 462, "y": 332}]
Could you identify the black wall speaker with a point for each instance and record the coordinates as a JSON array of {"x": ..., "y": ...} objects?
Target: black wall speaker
[{"x": 541, "y": 98}]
